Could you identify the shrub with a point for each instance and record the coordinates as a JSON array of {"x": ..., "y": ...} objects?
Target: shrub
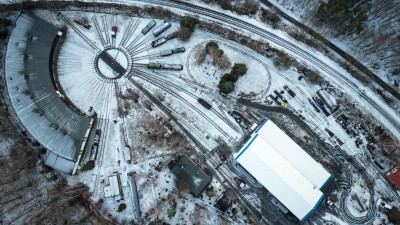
[
  {"x": 239, "y": 69},
  {"x": 283, "y": 60},
  {"x": 313, "y": 77},
  {"x": 88, "y": 166},
  {"x": 187, "y": 27},
  {"x": 42, "y": 151},
  {"x": 227, "y": 87},
  {"x": 234, "y": 211},
  {"x": 393, "y": 215},
  {"x": 210, "y": 45},
  {"x": 121, "y": 207},
  {"x": 210, "y": 192},
  {"x": 5, "y": 22},
  {"x": 3, "y": 34},
  {"x": 227, "y": 82}
]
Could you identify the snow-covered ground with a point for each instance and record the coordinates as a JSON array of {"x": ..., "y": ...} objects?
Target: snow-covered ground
[{"x": 85, "y": 88}]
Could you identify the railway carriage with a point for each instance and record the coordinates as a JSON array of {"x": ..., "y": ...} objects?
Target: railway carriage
[
  {"x": 161, "y": 29},
  {"x": 154, "y": 66},
  {"x": 159, "y": 42},
  {"x": 166, "y": 52},
  {"x": 204, "y": 103},
  {"x": 93, "y": 152},
  {"x": 148, "y": 27},
  {"x": 172, "y": 66}
]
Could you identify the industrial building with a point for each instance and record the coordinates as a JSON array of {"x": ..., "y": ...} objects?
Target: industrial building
[
  {"x": 184, "y": 168},
  {"x": 394, "y": 176},
  {"x": 29, "y": 70},
  {"x": 284, "y": 169}
]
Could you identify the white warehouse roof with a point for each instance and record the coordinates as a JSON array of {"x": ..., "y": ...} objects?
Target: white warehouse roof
[{"x": 282, "y": 167}]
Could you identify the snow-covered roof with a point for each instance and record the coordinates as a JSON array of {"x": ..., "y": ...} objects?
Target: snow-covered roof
[
  {"x": 135, "y": 198},
  {"x": 33, "y": 94},
  {"x": 293, "y": 153},
  {"x": 282, "y": 167}
]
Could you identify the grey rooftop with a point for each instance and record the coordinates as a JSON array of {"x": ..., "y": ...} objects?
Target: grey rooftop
[{"x": 33, "y": 94}]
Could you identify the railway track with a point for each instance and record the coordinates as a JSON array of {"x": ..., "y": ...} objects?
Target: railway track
[
  {"x": 161, "y": 83},
  {"x": 237, "y": 50},
  {"x": 103, "y": 126},
  {"x": 338, "y": 156},
  {"x": 130, "y": 29},
  {"x": 169, "y": 113},
  {"x": 189, "y": 104},
  {"x": 105, "y": 26},
  {"x": 98, "y": 30},
  {"x": 73, "y": 27},
  {"x": 125, "y": 137},
  {"x": 114, "y": 21},
  {"x": 178, "y": 87},
  {"x": 239, "y": 23}
]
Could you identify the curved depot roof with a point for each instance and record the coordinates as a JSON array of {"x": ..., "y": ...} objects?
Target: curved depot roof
[
  {"x": 33, "y": 95},
  {"x": 282, "y": 167}
]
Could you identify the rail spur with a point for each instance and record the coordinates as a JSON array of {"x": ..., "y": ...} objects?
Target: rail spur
[
  {"x": 238, "y": 23},
  {"x": 161, "y": 86},
  {"x": 160, "y": 81},
  {"x": 243, "y": 52}
]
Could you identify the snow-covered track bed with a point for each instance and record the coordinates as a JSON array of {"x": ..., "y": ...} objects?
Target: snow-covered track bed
[{"x": 314, "y": 60}]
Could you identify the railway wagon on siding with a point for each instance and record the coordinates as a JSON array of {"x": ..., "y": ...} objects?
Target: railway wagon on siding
[
  {"x": 172, "y": 66},
  {"x": 161, "y": 29},
  {"x": 166, "y": 52},
  {"x": 93, "y": 152},
  {"x": 154, "y": 66},
  {"x": 204, "y": 103},
  {"x": 164, "y": 66},
  {"x": 159, "y": 42},
  {"x": 148, "y": 27}
]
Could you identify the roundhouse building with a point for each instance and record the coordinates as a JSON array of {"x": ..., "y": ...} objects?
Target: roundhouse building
[
  {"x": 284, "y": 169},
  {"x": 34, "y": 96}
]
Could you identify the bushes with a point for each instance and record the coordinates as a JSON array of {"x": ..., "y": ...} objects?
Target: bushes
[
  {"x": 283, "y": 60},
  {"x": 246, "y": 7},
  {"x": 393, "y": 215},
  {"x": 159, "y": 12},
  {"x": 3, "y": 34},
  {"x": 313, "y": 77},
  {"x": 270, "y": 17},
  {"x": 226, "y": 87},
  {"x": 227, "y": 82},
  {"x": 239, "y": 69},
  {"x": 121, "y": 207},
  {"x": 88, "y": 166},
  {"x": 211, "y": 45},
  {"x": 219, "y": 58},
  {"x": 187, "y": 27}
]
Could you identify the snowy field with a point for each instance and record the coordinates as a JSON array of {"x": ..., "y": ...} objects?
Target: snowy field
[{"x": 125, "y": 114}]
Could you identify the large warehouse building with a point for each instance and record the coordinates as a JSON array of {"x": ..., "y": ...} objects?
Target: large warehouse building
[
  {"x": 285, "y": 169},
  {"x": 33, "y": 93}
]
